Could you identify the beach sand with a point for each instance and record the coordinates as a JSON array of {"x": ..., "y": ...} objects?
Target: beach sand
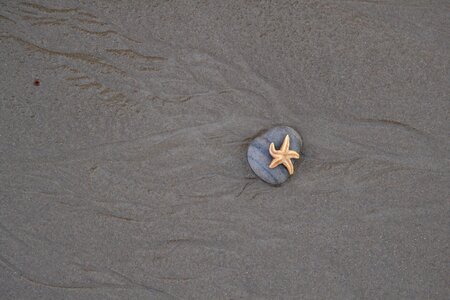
[{"x": 124, "y": 128}]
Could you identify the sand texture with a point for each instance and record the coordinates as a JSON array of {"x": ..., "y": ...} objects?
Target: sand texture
[{"x": 124, "y": 174}]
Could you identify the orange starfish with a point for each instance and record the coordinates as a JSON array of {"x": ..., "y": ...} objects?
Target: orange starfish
[{"x": 283, "y": 156}]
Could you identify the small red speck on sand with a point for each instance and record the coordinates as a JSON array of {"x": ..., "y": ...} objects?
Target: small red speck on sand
[{"x": 37, "y": 82}]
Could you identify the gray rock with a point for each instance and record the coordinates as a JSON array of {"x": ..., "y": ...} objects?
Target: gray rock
[{"x": 259, "y": 158}]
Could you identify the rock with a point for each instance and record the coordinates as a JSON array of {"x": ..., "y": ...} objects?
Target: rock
[{"x": 259, "y": 158}]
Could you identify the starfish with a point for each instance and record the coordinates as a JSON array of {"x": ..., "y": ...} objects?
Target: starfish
[{"x": 283, "y": 156}]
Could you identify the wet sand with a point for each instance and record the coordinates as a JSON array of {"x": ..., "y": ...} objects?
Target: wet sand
[{"x": 124, "y": 171}]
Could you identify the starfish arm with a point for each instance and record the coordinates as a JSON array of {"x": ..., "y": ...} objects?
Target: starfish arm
[
  {"x": 275, "y": 162},
  {"x": 286, "y": 143},
  {"x": 293, "y": 154},
  {"x": 272, "y": 150},
  {"x": 289, "y": 166}
]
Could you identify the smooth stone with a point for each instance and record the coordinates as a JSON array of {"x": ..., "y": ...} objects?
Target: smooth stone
[{"x": 259, "y": 158}]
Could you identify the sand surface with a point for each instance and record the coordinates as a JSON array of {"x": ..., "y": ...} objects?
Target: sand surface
[{"x": 124, "y": 173}]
